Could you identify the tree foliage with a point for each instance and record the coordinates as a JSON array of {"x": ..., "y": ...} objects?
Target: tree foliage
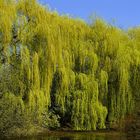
[{"x": 85, "y": 74}]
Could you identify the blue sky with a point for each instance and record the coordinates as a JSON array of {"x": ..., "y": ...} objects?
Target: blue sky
[{"x": 126, "y": 13}]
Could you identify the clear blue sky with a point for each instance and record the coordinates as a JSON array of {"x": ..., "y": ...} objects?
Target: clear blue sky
[{"x": 126, "y": 13}]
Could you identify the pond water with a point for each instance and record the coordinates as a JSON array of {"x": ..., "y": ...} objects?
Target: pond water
[{"x": 80, "y": 136}]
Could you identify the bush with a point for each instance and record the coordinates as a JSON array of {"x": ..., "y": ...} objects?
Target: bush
[
  {"x": 51, "y": 120},
  {"x": 11, "y": 113}
]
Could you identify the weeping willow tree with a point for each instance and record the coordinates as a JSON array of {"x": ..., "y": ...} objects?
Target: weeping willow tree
[{"x": 58, "y": 71}]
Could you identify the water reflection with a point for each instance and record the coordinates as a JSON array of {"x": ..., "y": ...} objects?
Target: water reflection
[{"x": 82, "y": 136}]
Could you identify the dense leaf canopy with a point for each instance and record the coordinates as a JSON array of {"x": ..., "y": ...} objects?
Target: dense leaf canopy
[{"x": 55, "y": 70}]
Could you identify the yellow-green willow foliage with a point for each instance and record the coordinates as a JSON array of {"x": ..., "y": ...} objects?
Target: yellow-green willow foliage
[
  {"x": 59, "y": 66},
  {"x": 87, "y": 112},
  {"x": 8, "y": 14}
]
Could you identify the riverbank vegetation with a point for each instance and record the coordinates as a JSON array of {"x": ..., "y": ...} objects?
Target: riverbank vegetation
[{"x": 58, "y": 72}]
